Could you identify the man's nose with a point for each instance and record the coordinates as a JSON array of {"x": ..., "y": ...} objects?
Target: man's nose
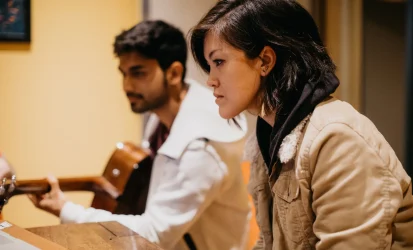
[{"x": 127, "y": 84}]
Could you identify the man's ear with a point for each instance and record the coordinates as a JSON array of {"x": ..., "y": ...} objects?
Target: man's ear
[
  {"x": 268, "y": 58},
  {"x": 174, "y": 73}
]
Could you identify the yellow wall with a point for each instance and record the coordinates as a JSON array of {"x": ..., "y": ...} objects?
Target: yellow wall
[{"x": 62, "y": 108}]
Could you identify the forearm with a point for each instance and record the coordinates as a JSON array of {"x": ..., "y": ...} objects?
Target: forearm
[{"x": 74, "y": 213}]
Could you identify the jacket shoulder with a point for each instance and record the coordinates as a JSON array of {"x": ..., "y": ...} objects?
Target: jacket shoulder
[{"x": 334, "y": 110}]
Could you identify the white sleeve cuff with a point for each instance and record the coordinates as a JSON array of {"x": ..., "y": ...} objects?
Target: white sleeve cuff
[{"x": 70, "y": 212}]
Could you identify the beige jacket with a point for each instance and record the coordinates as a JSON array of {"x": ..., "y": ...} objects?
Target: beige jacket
[{"x": 341, "y": 187}]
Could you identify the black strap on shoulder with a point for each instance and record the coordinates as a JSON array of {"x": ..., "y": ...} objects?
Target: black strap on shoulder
[{"x": 189, "y": 242}]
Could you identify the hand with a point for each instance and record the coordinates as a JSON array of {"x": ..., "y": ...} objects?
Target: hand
[
  {"x": 51, "y": 202},
  {"x": 6, "y": 171}
]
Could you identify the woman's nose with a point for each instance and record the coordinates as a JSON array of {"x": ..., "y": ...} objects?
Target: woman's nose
[{"x": 212, "y": 83}]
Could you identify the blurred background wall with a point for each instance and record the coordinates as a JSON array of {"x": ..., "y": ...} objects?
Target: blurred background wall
[
  {"x": 62, "y": 108},
  {"x": 384, "y": 87}
]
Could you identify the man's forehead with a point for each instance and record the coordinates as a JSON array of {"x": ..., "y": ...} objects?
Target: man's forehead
[
  {"x": 132, "y": 56},
  {"x": 134, "y": 59}
]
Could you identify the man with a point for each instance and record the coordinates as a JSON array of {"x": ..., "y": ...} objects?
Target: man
[{"x": 196, "y": 188}]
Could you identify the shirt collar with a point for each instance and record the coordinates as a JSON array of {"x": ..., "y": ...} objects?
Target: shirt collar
[{"x": 198, "y": 118}]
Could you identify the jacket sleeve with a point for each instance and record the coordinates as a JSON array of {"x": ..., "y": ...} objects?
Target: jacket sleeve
[
  {"x": 355, "y": 195},
  {"x": 403, "y": 223},
  {"x": 175, "y": 205}
]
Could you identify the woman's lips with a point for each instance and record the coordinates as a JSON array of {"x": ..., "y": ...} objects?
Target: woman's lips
[{"x": 219, "y": 98}]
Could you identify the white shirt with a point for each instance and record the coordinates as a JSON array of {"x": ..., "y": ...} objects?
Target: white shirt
[{"x": 196, "y": 183}]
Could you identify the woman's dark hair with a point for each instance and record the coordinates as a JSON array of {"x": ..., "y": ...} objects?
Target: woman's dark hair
[
  {"x": 154, "y": 39},
  {"x": 285, "y": 26}
]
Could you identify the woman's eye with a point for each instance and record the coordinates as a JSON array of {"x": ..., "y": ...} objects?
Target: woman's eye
[{"x": 218, "y": 62}]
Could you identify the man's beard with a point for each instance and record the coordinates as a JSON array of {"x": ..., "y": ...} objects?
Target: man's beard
[{"x": 149, "y": 105}]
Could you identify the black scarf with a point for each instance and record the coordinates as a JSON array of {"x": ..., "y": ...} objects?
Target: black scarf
[{"x": 298, "y": 105}]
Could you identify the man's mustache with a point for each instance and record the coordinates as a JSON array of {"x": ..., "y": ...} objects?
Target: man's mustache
[{"x": 135, "y": 95}]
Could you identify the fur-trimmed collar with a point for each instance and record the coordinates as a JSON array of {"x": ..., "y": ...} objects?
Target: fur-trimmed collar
[{"x": 288, "y": 148}]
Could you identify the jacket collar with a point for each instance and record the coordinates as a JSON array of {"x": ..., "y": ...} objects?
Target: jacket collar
[
  {"x": 197, "y": 118},
  {"x": 289, "y": 145},
  {"x": 288, "y": 148}
]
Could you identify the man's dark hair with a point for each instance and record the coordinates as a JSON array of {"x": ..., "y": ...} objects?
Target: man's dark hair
[
  {"x": 155, "y": 40},
  {"x": 285, "y": 26}
]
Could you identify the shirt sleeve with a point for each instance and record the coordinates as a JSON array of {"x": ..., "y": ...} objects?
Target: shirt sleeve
[{"x": 176, "y": 204}]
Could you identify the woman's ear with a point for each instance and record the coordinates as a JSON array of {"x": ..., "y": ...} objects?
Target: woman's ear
[
  {"x": 268, "y": 58},
  {"x": 174, "y": 73}
]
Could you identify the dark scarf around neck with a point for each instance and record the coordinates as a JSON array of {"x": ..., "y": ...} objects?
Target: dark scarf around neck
[{"x": 292, "y": 113}]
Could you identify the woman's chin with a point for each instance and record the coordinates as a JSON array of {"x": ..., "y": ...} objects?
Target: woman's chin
[{"x": 227, "y": 114}]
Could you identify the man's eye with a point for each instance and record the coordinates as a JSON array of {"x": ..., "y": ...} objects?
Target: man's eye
[{"x": 138, "y": 74}]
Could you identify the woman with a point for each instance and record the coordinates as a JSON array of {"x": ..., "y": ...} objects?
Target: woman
[{"x": 322, "y": 176}]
